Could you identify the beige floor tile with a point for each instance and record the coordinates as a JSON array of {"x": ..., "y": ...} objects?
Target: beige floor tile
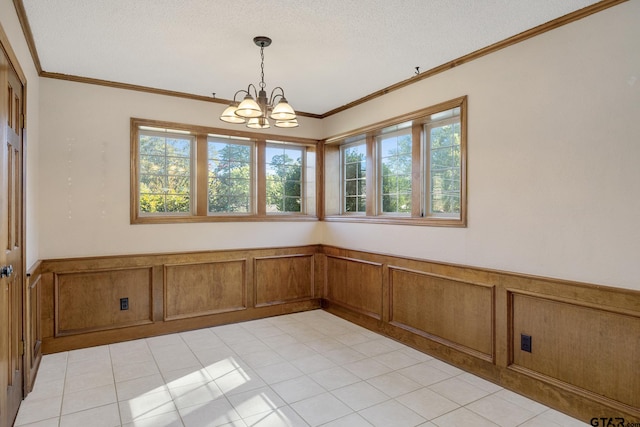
[
  {"x": 256, "y": 401},
  {"x": 391, "y": 414},
  {"x": 129, "y": 371},
  {"x": 334, "y": 378},
  {"x": 39, "y": 410},
  {"x": 216, "y": 413},
  {"x": 280, "y": 417},
  {"x": 462, "y": 417},
  {"x": 170, "y": 419},
  {"x": 186, "y": 376},
  {"x": 424, "y": 374},
  {"x": 396, "y": 359},
  {"x": 140, "y": 386},
  {"x": 351, "y": 420},
  {"x": 238, "y": 381},
  {"x": 367, "y": 368},
  {"x": 500, "y": 411},
  {"x": 394, "y": 384},
  {"x": 279, "y": 372},
  {"x": 146, "y": 406},
  {"x": 195, "y": 394},
  {"x": 321, "y": 409},
  {"x": 298, "y": 389},
  {"x": 298, "y": 350},
  {"x": 102, "y": 416},
  {"x": 315, "y": 363},
  {"x": 86, "y": 399},
  {"x": 459, "y": 391},
  {"x": 427, "y": 403},
  {"x": 360, "y": 395}
]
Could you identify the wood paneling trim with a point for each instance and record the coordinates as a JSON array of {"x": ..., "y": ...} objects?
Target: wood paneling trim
[
  {"x": 283, "y": 278},
  {"x": 204, "y": 288}
]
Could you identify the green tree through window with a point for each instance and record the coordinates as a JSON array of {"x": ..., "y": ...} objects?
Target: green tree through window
[
  {"x": 355, "y": 177},
  {"x": 284, "y": 166},
  {"x": 395, "y": 161},
  {"x": 165, "y": 172},
  {"x": 229, "y": 176},
  {"x": 445, "y": 168}
]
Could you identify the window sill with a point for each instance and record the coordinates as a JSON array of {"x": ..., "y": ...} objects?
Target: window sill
[
  {"x": 430, "y": 222},
  {"x": 220, "y": 218}
]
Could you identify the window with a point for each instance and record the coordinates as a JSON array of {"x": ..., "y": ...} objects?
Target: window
[
  {"x": 354, "y": 157},
  {"x": 230, "y": 171},
  {"x": 165, "y": 172},
  {"x": 284, "y": 172},
  {"x": 184, "y": 173},
  {"x": 443, "y": 142},
  {"x": 417, "y": 171},
  {"x": 394, "y": 153}
]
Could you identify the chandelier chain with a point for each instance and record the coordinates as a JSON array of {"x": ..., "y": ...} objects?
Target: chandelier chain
[{"x": 262, "y": 83}]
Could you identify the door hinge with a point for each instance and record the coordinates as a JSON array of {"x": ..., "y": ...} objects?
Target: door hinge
[
  {"x": 21, "y": 121},
  {"x": 22, "y": 348}
]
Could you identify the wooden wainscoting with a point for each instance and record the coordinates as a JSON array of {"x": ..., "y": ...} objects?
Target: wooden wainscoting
[
  {"x": 33, "y": 328},
  {"x": 595, "y": 349},
  {"x": 585, "y": 338},
  {"x": 80, "y": 298},
  {"x": 192, "y": 290},
  {"x": 355, "y": 284},
  {"x": 285, "y": 278},
  {"x": 89, "y": 300},
  {"x": 455, "y": 313}
]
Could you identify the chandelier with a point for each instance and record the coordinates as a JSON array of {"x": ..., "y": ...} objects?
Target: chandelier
[{"x": 255, "y": 112}]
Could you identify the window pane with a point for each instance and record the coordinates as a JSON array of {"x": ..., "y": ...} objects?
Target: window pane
[
  {"x": 164, "y": 172},
  {"x": 444, "y": 165},
  {"x": 229, "y": 176},
  {"x": 354, "y": 166},
  {"x": 284, "y": 165},
  {"x": 395, "y": 169}
]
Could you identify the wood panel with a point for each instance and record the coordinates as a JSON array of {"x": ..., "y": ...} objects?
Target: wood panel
[
  {"x": 90, "y": 300},
  {"x": 452, "y": 312},
  {"x": 200, "y": 289},
  {"x": 595, "y": 349},
  {"x": 283, "y": 279},
  {"x": 34, "y": 329},
  {"x": 355, "y": 284}
]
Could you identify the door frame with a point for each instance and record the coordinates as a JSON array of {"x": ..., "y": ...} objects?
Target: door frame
[{"x": 27, "y": 361}]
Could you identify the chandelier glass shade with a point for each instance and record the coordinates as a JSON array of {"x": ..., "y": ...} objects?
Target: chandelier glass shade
[{"x": 256, "y": 109}]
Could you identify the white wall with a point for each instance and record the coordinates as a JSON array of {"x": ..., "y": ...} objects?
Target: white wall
[
  {"x": 553, "y": 180},
  {"x": 11, "y": 26},
  {"x": 84, "y": 177},
  {"x": 553, "y": 156}
]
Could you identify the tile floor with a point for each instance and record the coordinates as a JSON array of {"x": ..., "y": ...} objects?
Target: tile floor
[{"x": 303, "y": 369}]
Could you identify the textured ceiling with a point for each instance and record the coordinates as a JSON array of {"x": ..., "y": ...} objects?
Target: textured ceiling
[{"x": 325, "y": 53}]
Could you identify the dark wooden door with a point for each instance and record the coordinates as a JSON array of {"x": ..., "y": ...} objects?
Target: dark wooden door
[{"x": 11, "y": 241}]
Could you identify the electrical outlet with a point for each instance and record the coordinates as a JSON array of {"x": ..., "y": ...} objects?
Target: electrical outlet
[
  {"x": 525, "y": 343},
  {"x": 124, "y": 303}
]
